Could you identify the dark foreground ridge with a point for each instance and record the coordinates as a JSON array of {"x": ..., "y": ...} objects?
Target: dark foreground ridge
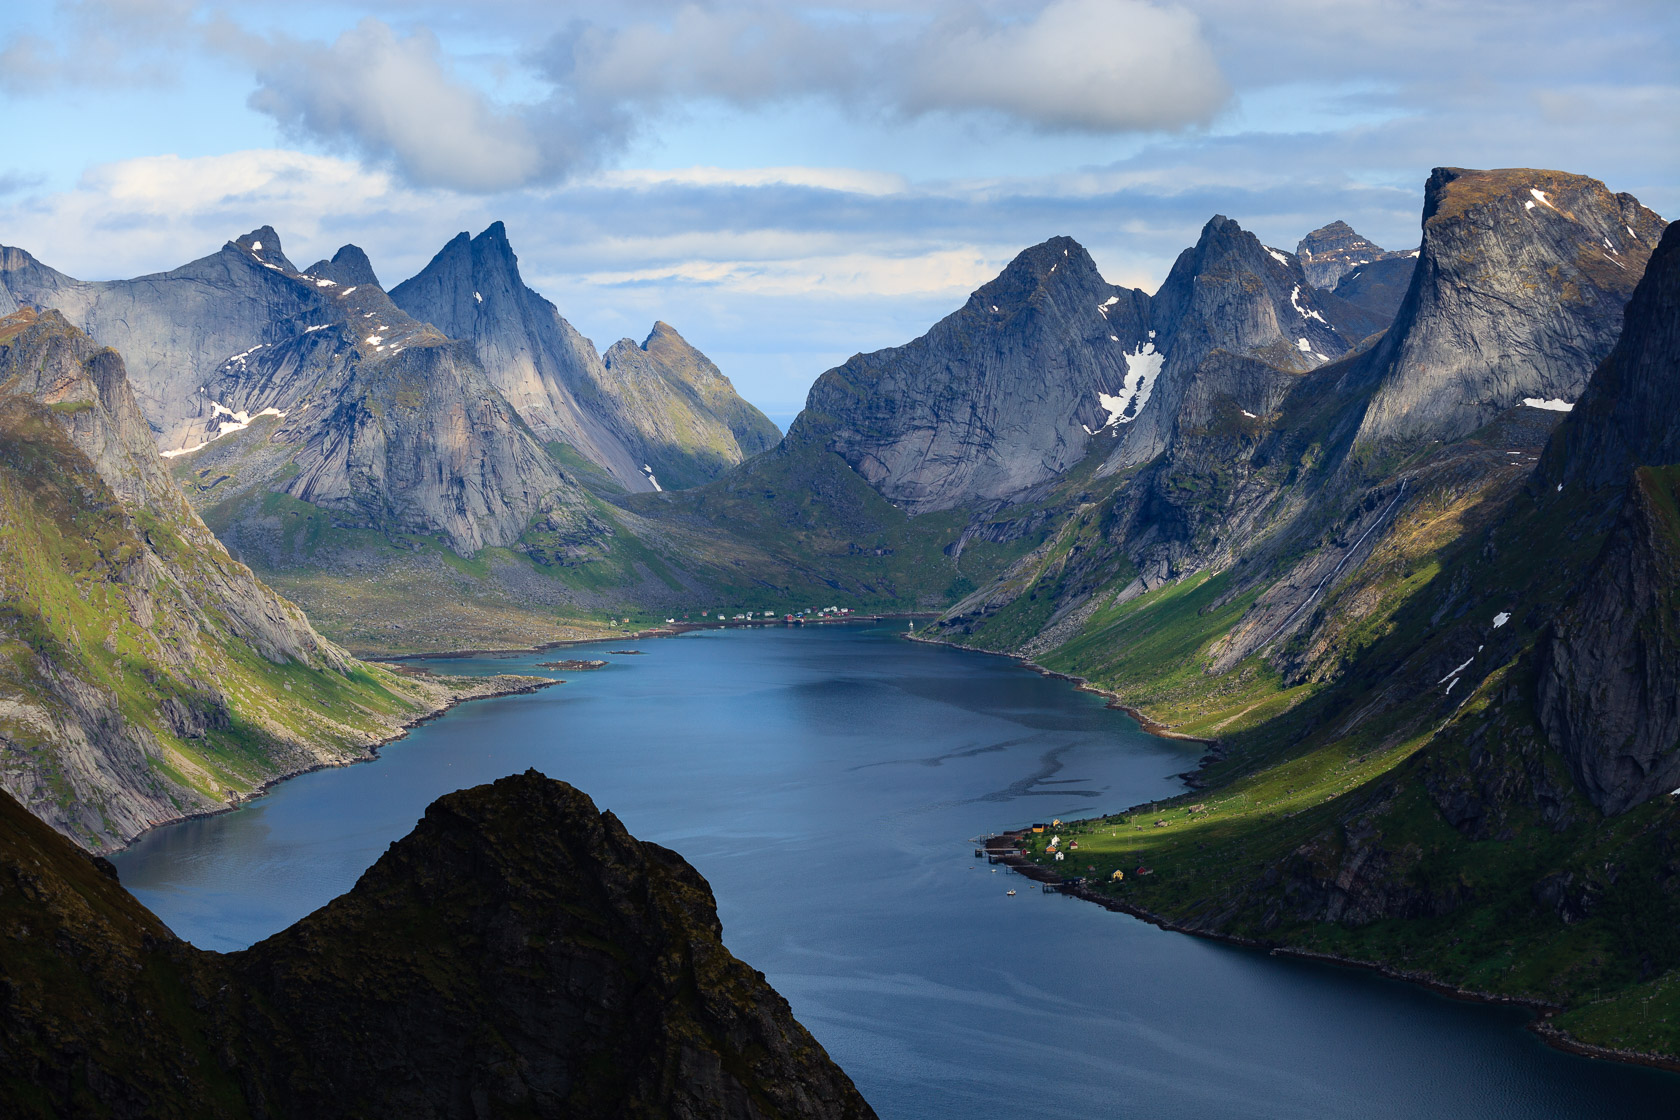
[{"x": 518, "y": 954}]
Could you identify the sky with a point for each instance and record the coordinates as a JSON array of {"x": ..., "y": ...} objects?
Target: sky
[{"x": 791, "y": 183}]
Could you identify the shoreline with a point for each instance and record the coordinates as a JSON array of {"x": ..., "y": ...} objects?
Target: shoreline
[
  {"x": 996, "y": 847},
  {"x": 665, "y": 630},
  {"x": 370, "y": 754},
  {"x": 1081, "y": 684}
]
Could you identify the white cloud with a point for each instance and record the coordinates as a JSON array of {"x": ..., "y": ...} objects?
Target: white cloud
[
  {"x": 393, "y": 99},
  {"x": 1091, "y": 65}
]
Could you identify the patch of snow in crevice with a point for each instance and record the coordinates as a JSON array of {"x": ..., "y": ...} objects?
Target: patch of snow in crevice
[
  {"x": 1114, "y": 338},
  {"x": 647, "y": 470},
  {"x": 256, "y": 246},
  {"x": 994, "y": 307},
  {"x": 1501, "y": 619},
  {"x": 1249, "y": 414},
  {"x": 1456, "y": 671},
  {"x": 1303, "y": 346},
  {"x": 1414, "y": 252},
  {"x": 1631, "y": 234},
  {"x": 1143, "y": 365},
  {"x": 1540, "y": 197},
  {"x": 236, "y": 422},
  {"x": 1528, "y": 206},
  {"x": 1109, "y": 302},
  {"x": 316, "y": 327},
  {"x": 1449, "y": 688},
  {"x": 348, "y": 290},
  {"x": 1304, "y": 312},
  {"x": 1277, "y": 256},
  {"x": 275, "y": 267},
  {"x": 319, "y": 283},
  {"x": 478, "y": 297},
  {"x": 1556, "y": 404},
  {"x": 372, "y": 340},
  {"x": 240, "y": 358},
  {"x": 1151, "y": 334}
]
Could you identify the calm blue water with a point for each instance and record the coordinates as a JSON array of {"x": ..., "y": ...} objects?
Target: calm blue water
[{"x": 827, "y": 781}]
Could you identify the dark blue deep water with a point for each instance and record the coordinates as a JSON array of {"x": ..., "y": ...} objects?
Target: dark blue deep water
[{"x": 827, "y": 782}]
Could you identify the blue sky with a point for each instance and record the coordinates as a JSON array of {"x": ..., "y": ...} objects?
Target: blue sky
[{"x": 788, "y": 183}]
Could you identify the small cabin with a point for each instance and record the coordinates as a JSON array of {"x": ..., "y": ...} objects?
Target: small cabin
[
  {"x": 1038, "y": 828},
  {"x": 1117, "y": 876}
]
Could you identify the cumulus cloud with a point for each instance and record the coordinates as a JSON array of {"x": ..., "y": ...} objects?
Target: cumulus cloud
[
  {"x": 1089, "y": 65},
  {"x": 393, "y": 99},
  {"x": 1086, "y": 65}
]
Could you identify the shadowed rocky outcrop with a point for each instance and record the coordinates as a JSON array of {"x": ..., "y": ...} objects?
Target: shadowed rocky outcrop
[
  {"x": 1609, "y": 678},
  {"x": 1227, "y": 293},
  {"x": 518, "y": 954}
]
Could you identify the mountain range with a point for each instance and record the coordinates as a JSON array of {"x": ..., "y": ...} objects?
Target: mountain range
[{"x": 1394, "y": 532}]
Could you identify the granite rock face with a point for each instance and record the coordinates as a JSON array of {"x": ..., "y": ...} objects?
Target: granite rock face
[
  {"x": 174, "y": 329},
  {"x": 1518, "y": 293},
  {"x": 472, "y": 291},
  {"x": 518, "y": 954},
  {"x": 139, "y": 650},
  {"x": 1331, "y": 252},
  {"x": 390, "y": 425},
  {"x": 1227, "y": 293},
  {"x": 999, "y": 397},
  {"x": 1609, "y": 676},
  {"x": 671, "y": 405}
]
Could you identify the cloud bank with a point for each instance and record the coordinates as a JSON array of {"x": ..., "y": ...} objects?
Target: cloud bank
[{"x": 1095, "y": 66}]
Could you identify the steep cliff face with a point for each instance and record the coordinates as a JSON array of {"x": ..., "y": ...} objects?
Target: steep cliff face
[
  {"x": 1609, "y": 674},
  {"x": 519, "y": 953},
  {"x": 670, "y": 404},
  {"x": 1518, "y": 294},
  {"x": 1379, "y": 288},
  {"x": 176, "y": 328},
  {"x": 147, "y": 674},
  {"x": 1000, "y": 396},
  {"x": 472, "y": 291}
]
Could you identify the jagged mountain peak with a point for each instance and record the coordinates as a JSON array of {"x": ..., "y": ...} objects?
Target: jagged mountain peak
[
  {"x": 349, "y": 267},
  {"x": 1333, "y": 251},
  {"x": 1057, "y": 266},
  {"x": 472, "y": 290},
  {"x": 264, "y": 244}
]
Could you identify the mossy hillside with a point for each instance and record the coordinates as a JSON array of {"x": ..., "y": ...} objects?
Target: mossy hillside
[
  {"x": 67, "y": 612},
  {"x": 1386, "y": 817}
]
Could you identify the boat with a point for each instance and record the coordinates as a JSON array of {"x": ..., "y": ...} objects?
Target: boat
[{"x": 1010, "y": 892}]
